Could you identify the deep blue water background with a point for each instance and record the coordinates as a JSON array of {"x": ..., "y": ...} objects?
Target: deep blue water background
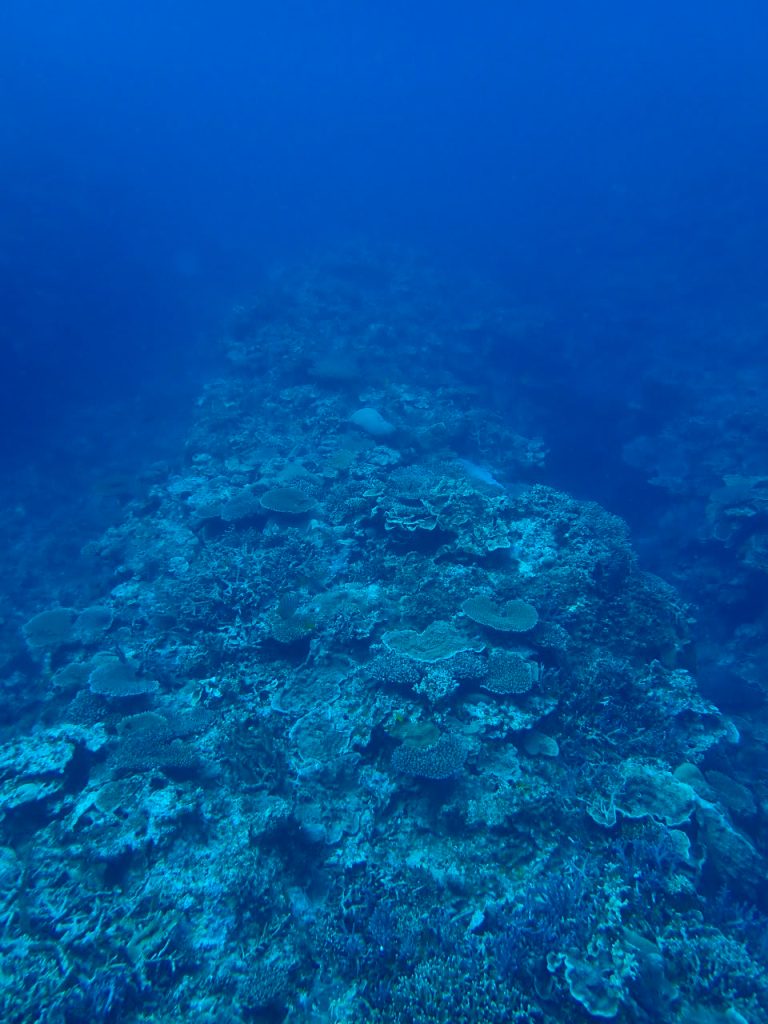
[{"x": 602, "y": 162}]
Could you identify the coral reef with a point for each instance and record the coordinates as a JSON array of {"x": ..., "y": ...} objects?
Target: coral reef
[{"x": 367, "y": 723}]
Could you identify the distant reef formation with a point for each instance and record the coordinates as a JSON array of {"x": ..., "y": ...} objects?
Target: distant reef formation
[{"x": 370, "y": 723}]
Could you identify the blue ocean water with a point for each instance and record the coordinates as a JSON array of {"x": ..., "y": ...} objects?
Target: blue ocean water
[{"x": 383, "y": 452}]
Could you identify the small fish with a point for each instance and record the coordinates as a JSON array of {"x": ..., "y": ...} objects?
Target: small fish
[{"x": 481, "y": 473}]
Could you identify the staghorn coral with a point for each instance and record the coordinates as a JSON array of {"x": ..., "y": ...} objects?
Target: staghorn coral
[
  {"x": 439, "y": 760},
  {"x": 509, "y": 672},
  {"x": 392, "y": 668},
  {"x": 438, "y": 683},
  {"x": 289, "y": 623}
]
